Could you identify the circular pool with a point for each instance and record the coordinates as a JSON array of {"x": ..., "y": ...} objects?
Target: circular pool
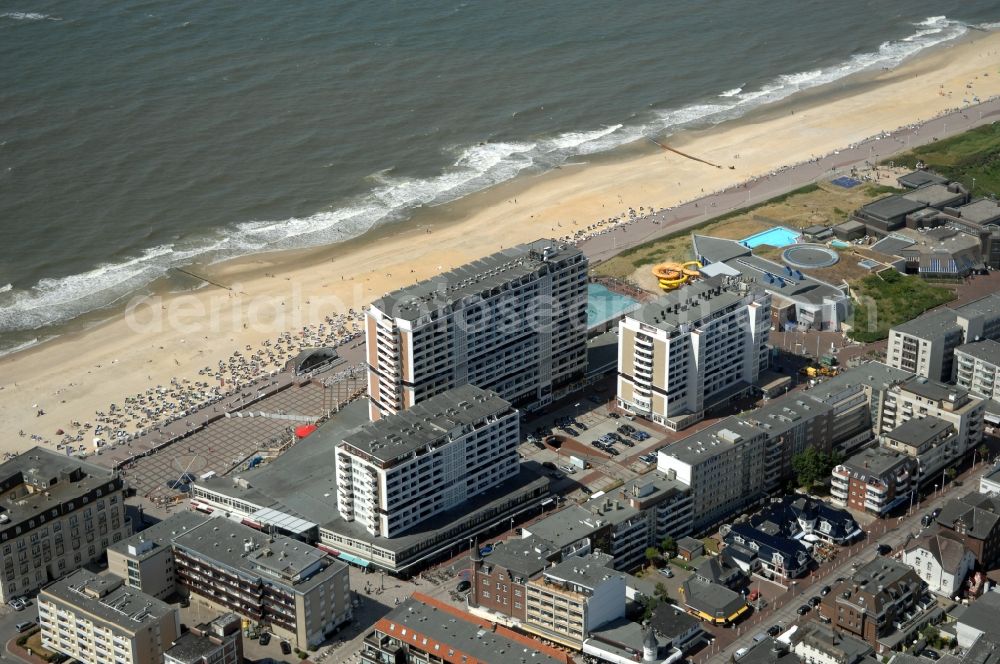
[{"x": 809, "y": 256}]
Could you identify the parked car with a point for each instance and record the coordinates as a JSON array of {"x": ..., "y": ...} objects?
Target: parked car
[
  {"x": 926, "y": 520},
  {"x": 614, "y": 416},
  {"x": 286, "y": 648},
  {"x": 463, "y": 586},
  {"x": 539, "y": 444},
  {"x": 569, "y": 469},
  {"x": 815, "y": 600},
  {"x": 581, "y": 425},
  {"x": 628, "y": 443},
  {"x": 884, "y": 549},
  {"x": 825, "y": 591},
  {"x": 613, "y": 452},
  {"x": 774, "y": 630},
  {"x": 667, "y": 572},
  {"x": 936, "y": 513},
  {"x": 486, "y": 550},
  {"x": 803, "y": 610},
  {"x": 930, "y": 654},
  {"x": 549, "y": 464},
  {"x": 24, "y": 626},
  {"x": 570, "y": 431},
  {"x": 16, "y": 604},
  {"x": 264, "y": 639}
]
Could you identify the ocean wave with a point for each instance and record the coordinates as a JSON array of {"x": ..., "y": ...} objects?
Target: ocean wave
[
  {"x": 393, "y": 197},
  {"x": 25, "y": 345},
  {"x": 6, "y": 287},
  {"x": 29, "y": 16}
]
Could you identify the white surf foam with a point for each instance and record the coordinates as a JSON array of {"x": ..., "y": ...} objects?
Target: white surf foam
[
  {"x": 29, "y": 16},
  {"x": 5, "y": 288},
  {"x": 392, "y": 197}
]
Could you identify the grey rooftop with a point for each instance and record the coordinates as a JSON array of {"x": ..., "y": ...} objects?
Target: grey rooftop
[
  {"x": 711, "y": 441},
  {"x": 691, "y": 304},
  {"x": 108, "y": 599},
  {"x": 918, "y": 431},
  {"x": 892, "y": 206},
  {"x": 933, "y": 390},
  {"x": 980, "y": 211},
  {"x": 873, "y": 374},
  {"x": 917, "y": 179},
  {"x": 472, "y": 279},
  {"x": 931, "y": 325},
  {"x": 427, "y": 422},
  {"x": 874, "y": 461},
  {"x": 585, "y": 571},
  {"x": 934, "y": 195},
  {"x": 987, "y": 351}
]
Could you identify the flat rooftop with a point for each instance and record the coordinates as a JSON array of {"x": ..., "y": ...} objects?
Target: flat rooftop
[
  {"x": 920, "y": 178},
  {"x": 156, "y": 538},
  {"x": 282, "y": 559},
  {"x": 473, "y": 278},
  {"x": 525, "y": 557},
  {"x": 427, "y": 422},
  {"x": 891, "y": 206},
  {"x": 932, "y": 389},
  {"x": 108, "y": 599},
  {"x": 931, "y": 325},
  {"x": 987, "y": 306},
  {"x": 935, "y": 195},
  {"x": 786, "y": 412},
  {"x": 711, "y": 441},
  {"x": 807, "y": 289},
  {"x": 587, "y": 571},
  {"x": 980, "y": 211},
  {"x": 873, "y": 461},
  {"x": 988, "y": 351},
  {"x": 690, "y": 304},
  {"x": 874, "y": 374},
  {"x": 919, "y": 431}
]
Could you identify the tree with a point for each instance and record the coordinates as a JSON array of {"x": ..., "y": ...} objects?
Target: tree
[
  {"x": 984, "y": 452},
  {"x": 661, "y": 592},
  {"x": 649, "y": 605},
  {"x": 652, "y": 554},
  {"x": 813, "y": 466},
  {"x": 951, "y": 473},
  {"x": 668, "y": 546}
]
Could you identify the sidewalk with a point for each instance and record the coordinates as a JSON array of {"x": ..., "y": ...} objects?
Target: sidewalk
[{"x": 21, "y": 654}]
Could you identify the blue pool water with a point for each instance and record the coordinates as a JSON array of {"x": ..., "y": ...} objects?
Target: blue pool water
[
  {"x": 779, "y": 236},
  {"x": 839, "y": 244},
  {"x": 603, "y": 304}
]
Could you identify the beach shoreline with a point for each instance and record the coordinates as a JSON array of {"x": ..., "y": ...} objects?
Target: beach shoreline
[{"x": 174, "y": 334}]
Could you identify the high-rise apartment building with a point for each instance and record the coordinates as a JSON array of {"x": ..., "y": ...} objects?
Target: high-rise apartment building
[
  {"x": 99, "y": 620},
  {"x": 926, "y": 345},
  {"x": 514, "y": 322},
  {"x": 408, "y": 466},
  {"x": 875, "y": 480},
  {"x": 692, "y": 348},
  {"x": 57, "y": 513},
  {"x": 977, "y": 368}
]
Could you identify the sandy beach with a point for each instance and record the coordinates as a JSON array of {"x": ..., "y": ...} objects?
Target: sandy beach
[{"x": 175, "y": 336}]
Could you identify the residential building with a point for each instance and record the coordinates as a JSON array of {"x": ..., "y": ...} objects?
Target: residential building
[
  {"x": 99, "y": 620},
  {"x": 792, "y": 423},
  {"x": 980, "y": 618},
  {"x": 146, "y": 560},
  {"x": 856, "y": 396},
  {"x": 622, "y": 523},
  {"x": 675, "y": 628},
  {"x": 710, "y": 602},
  {"x": 513, "y": 322},
  {"x": 295, "y": 590},
  {"x": 941, "y": 560},
  {"x": 975, "y": 519},
  {"x": 977, "y": 365},
  {"x": 297, "y": 495},
  {"x": 931, "y": 441},
  {"x": 574, "y": 597},
  {"x": 769, "y": 651},
  {"x": 775, "y": 556},
  {"x": 722, "y": 570},
  {"x": 217, "y": 642},
  {"x": 808, "y": 519},
  {"x": 692, "y": 348},
  {"x": 926, "y": 345},
  {"x": 816, "y": 643},
  {"x": 57, "y": 513},
  {"x": 499, "y": 582},
  {"x": 422, "y": 629},
  {"x": 413, "y": 465},
  {"x": 942, "y": 446},
  {"x": 724, "y": 466},
  {"x": 875, "y": 481},
  {"x": 882, "y": 603}
]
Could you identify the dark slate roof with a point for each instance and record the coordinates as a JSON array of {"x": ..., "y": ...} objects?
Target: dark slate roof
[
  {"x": 943, "y": 546},
  {"x": 979, "y": 512},
  {"x": 717, "y": 249},
  {"x": 986, "y": 650},
  {"x": 984, "y": 613},
  {"x": 793, "y": 554},
  {"x": 670, "y": 621},
  {"x": 833, "y": 522},
  {"x": 892, "y": 206},
  {"x": 769, "y": 651},
  {"x": 711, "y": 598},
  {"x": 919, "y": 179},
  {"x": 522, "y": 557}
]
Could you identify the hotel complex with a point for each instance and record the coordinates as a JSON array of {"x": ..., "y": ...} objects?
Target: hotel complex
[
  {"x": 513, "y": 322},
  {"x": 56, "y": 514},
  {"x": 692, "y": 348},
  {"x": 412, "y": 465}
]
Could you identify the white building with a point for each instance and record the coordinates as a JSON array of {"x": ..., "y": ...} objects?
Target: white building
[
  {"x": 926, "y": 345},
  {"x": 816, "y": 643},
  {"x": 98, "y": 620},
  {"x": 407, "y": 467},
  {"x": 942, "y": 561},
  {"x": 694, "y": 347},
  {"x": 514, "y": 322},
  {"x": 977, "y": 366},
  {"x": 724, "y": 466}
]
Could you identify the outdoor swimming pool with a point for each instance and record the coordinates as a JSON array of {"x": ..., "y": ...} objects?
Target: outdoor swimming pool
[
  {"x": 779, "y": 236},
  {"x": 839, "y": 244},
  {"x": 604, "y": 304}
]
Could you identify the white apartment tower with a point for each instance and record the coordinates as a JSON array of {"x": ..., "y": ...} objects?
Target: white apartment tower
[
  {"x": 692, "y": 348},
  {"x": 407, "y": 467},
  {"x": 977, "y": 368},
  {"x": 514, "y": 322}
]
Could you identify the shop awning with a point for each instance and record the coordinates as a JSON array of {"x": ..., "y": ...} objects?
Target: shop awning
[{"x": 354, "y": 560}]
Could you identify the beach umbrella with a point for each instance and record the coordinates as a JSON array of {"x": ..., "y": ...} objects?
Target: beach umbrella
[{"x": 305, "y": 430}]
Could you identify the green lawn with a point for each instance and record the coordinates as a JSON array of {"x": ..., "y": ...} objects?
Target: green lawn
[
  {"x": 891, "y": 298},
  {"x": 974, "y": 154}
]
